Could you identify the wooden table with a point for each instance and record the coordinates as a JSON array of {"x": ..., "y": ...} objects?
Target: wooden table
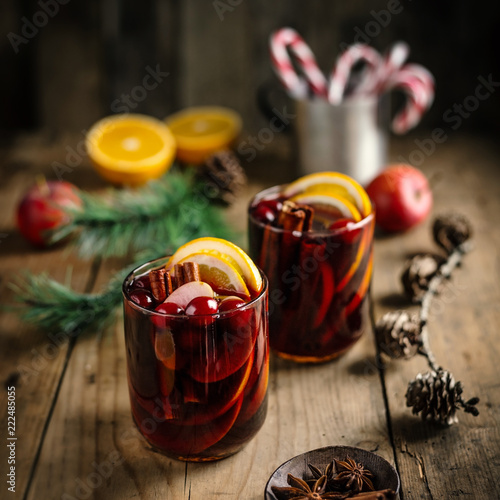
[{"x": 75, "y": 436}]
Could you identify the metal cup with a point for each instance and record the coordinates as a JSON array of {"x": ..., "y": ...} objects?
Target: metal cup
[{"x": 350, "y": 138}]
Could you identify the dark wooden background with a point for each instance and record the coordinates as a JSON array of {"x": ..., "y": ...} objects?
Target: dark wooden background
[{"x": 91, "y": 52}]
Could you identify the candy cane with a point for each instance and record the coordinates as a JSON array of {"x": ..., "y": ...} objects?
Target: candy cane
[
  {"x": 295, "y": 85},
  {"x": 392, "y": 62},
  {"x": 342, "y": 70},
  {"x": 420, "y": 95}
]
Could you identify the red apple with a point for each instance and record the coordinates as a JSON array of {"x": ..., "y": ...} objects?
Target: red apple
[
  {"x": 42, "y": 209},
  {"x": 402, "y": 197}
]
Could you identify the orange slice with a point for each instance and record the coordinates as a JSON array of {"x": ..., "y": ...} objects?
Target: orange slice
[
  {"x": 130, "y": 149},
  {"x": 225, "y": 250},
  {"x": 201, "y": 131},
  {"x": 329, "y": 201},
  {"x": 219, "y": 273},
  {"x": 332, "y": 183}
]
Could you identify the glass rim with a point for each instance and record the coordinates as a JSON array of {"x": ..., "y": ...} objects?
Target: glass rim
[
  {"x": 216, "y": 315},
  {"x": 324, "y": 232}
]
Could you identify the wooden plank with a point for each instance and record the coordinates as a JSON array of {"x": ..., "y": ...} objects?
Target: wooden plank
[
  {"x": 91, "y": 425},
  {"x": 462, "y": 460},
  {"x": 32, "y": 361}
]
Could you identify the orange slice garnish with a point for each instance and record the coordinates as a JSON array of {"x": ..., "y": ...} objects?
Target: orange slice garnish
[
  {"x": 328, "y": 201},
  {"x": 130, "y": 149},
  {"x": 333, "y": 183},
  {"x": 219, "y": 273},
  {"x": 225, "y": 250}
]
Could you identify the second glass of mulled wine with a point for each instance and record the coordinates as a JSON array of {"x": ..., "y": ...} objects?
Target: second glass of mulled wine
[{"x": 314, "y": 241}]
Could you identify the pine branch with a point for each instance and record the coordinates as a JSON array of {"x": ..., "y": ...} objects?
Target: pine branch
[
  {"x": 56, "y": 308},
  {"x": 171, "y": 210},
  {"x": 444, "y": 273},
  {"x": 433, "y": 395}
]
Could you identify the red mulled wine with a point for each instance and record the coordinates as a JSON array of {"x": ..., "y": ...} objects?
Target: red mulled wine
[
  {"x": 197, "y": 375},
  {"x": 318, "y": 277}
]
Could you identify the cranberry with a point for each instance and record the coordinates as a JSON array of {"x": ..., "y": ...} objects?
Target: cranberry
[
  {"x": 267, "y": 210},
  {"x": 165, "y": 308},
  {"x": 142, "y": 297},
  {"x": 142, "y": 282},
  {"x": 169, "y": 308},
  {"x": 230, "y": 303},
  {"x": 351, "y": 234},
  {"x": 202, "y": 306}
]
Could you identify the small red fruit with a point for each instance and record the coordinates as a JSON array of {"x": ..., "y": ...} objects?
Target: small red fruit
[
  {"x": 230, "y": 303},
  {"x": 42, "y": 209},
  {"x": 202, "y": 306},
  {"x": 350, "y": 234},
  {"x": 169, "y": 308},
  {"x": 267, "y": 210},
  {"x": 165, "y": 308},
  {"x": 142, "y": 297},
  {"x": 402, "y": 197}
]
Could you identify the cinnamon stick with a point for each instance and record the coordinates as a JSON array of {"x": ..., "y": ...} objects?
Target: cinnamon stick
[
  {"x": 191, "y": 271},
  {"x": 295, "y": 216},
  {"x": 168, "y": 283},
  {"x": 178, "y": 275},
  {"x": 185, "y": 273},
  {"x": 157, "y": 281}
]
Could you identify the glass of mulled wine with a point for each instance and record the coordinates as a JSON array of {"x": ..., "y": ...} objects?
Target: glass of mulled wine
[
  {"x": 319, "y": 278},
  {"x": 197, "y": 384}
]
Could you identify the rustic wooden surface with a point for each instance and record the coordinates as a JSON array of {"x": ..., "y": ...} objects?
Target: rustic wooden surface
[{"x": 73, "y": 416}]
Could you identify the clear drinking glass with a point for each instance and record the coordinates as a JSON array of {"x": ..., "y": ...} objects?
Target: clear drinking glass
[
  {"x": 318, "y": 284},
  {"x": 198, "y": 384}
]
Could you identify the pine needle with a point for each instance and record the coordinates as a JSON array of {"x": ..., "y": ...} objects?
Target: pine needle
[
  {"x": 54, "y": 307},
  {"x": 169, "y": 211}
]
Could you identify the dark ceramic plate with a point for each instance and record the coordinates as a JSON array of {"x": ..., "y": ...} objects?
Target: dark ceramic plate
[{"x": 385, "y": 476}]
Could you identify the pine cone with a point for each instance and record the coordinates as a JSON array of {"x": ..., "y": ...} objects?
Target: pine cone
[
  {"x": 398, "y": 334},
  {"x": 418, "y": 273},
  {"x": 436, "y": 396},
  {"x": 224, "y": 177},
  {"x": 451, "y": 230}
]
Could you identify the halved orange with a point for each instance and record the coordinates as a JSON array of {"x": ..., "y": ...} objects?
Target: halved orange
[
  {"x": 130, "y": 149},
  {"x": 225, "y": 250},
  {"x": 334, "y": 183},
  {"x": 219, "y": 273},
  {"x": 201, "y": 131}
]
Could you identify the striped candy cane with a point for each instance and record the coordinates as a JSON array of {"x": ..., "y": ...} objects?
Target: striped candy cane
[
  {"x": 314, "y": 79},
  {"x": 342, "y": 70},
  {"x": 418, "y": 84},
  {"x": 393, "y": 59}
]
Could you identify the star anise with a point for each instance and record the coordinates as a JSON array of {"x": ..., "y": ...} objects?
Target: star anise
[
  {"x": 352, "y": 476},
  {"x": 300, "y": 490},
  {"x": 328, "y": 472}
]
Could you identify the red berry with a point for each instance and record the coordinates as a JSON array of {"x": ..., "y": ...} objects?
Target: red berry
[
  {"x": 165, "y": 308},
  {"x": 348, "y": 232},
  {"x": 267, "y": 210},
  {"x": 169, "y": 308},
  {"x": 142, "y": 297},
  {"x": 230, "y": 303},
  {"x": 202, "y": 306},
  {"x": 141, "y": 282}
]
